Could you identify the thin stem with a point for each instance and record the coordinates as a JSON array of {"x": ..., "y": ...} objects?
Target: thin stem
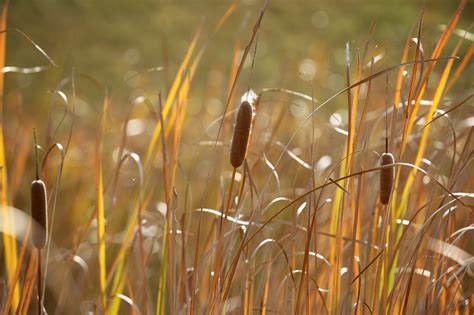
[
  {"x": 40, "y": 291},
  {"x": 386, "y": 114},
  {"x": 229, "y": 197},
  {"x": 143, "y": 263},
  {"x": 253, "y": 61},
  {"x": 225, "y": 212},
  {"x": 215, "y": 295},
  {"x": 36, "y": 154}
]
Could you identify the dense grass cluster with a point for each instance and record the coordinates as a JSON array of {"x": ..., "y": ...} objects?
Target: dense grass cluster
[{"x": 285, "y": 203}]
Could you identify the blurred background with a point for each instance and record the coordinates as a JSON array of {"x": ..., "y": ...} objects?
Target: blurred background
[{"x": 109, "y": 40}]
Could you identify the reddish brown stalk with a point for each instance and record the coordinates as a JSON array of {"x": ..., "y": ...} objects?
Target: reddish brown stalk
[
  {"x": 40, "y": 293},
  {"x": 263, "y": 304}
]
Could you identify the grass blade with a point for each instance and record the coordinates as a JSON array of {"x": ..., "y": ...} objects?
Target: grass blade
[{"x": 100, "y": 205}]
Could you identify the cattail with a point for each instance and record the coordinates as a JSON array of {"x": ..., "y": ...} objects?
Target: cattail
[
  {"x": 386, "y": 177},
  {"x": 240, "y": 140},
  {"x": 39, "y": 213}
]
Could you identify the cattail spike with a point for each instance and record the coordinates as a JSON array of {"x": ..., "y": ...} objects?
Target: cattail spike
[
  {"x": 39, "y": 213},
  {"x": 240, "y": 139},
  {"x": 386, "y": 177}
]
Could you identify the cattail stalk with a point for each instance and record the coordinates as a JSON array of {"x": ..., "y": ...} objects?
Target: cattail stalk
[
  {"x": 39, "y": 214},
  {"x": 238, "y": 151},
  {"x": 40, "y": 288},
  {"x": 386, "y": 174}
]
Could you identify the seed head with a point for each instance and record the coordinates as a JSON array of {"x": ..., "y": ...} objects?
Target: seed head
[
  {"x": 243, "y": 124},
  {"x": 386, "y": 177},
  {"x": 39, "y": 213}
]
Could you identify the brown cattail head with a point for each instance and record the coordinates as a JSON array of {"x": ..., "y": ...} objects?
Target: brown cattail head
[
  {"x": 386, "y": 177},
  {"x": 243, "y": 124},
  {"x": 39, "y": 213}
]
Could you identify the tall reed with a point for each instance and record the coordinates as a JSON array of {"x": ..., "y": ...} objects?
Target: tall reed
[{"x": 39, "y": 214}]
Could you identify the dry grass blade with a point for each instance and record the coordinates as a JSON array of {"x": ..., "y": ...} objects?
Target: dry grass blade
[
  {"x": 400, "y": 76},
  {"x": 171, "y": 97},
  {"x": 27, "y": 288},
  {"x": 228, "y": 13},
  {"x": 460, "y": 68},
  {"x": 449, "y": 110},
  {"x": 368, "y": 265},
  {"x": 118, "y": 268},
  {"x": 31, "y": 41},
  {"x": 18, "y": 270},
  {"x": 440, "y": 44},
  {"x": 439, "y": 92},
  {"x": 415, "y": 67}
]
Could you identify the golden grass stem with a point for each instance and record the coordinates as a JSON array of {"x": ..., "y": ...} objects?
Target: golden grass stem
[
  {"x": 9, "y": 242},
  {"x": 160, "y": 297},
  {"x": 264, "y": 302},
  {"x": 171, "y": 97},
  {"x": 229, "y": 197},
  {"x": 100, "y": 207},
  {"x": 21, "y": 259}
]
